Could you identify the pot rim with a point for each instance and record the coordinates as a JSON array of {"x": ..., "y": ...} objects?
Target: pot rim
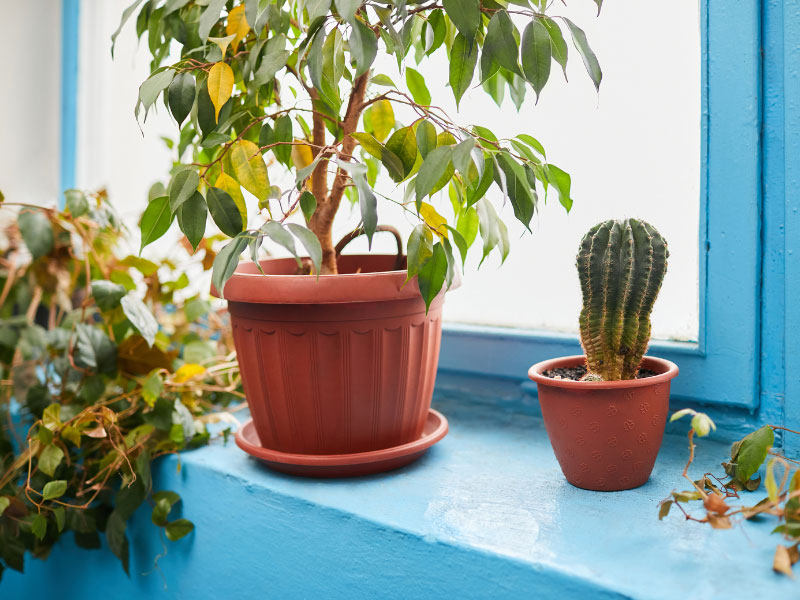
[
  {"x": 669, "y": 370},
  {"x": 341, "y": 288}
]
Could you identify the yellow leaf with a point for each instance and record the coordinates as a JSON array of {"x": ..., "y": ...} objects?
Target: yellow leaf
[
  {"x": 220, "y": 85},
  {"x": 237, "y": 25},
  {"x": 381, "y": 118},
  {"x": 302, "y": 157},
  {"x": 187, "y": 372},
  {"x": 249, "y": 168},
  {"x": 433, "y": 219},
  {"x": 230, "y": 185},
  {"x": 70, "y": 434},
  {"x": 222, "y": 42}
]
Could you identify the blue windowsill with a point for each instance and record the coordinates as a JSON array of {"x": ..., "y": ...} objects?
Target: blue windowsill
[{"x": 485, "y": 514}]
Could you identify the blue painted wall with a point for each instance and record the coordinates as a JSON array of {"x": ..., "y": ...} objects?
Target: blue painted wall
[{"x": 70, "y": 17}]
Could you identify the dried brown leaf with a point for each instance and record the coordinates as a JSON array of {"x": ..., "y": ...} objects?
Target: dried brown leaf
[
  {"x": 782, "y": 563},
  {"x": 715, "y": 504},
  {"x": 718, "y": 521}
]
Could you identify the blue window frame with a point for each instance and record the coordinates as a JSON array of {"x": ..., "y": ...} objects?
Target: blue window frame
[{"x": 722, "y": 366}]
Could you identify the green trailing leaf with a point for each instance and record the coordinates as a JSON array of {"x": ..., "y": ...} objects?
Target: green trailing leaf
[
  {"x": 463, "y": 59},
  {"x": 140, "y": 317},
  {"x": 224, "y": 211},
  {"x": 76, "y": 202},
  {"x": 536, "y": 55},
  {"x": 589, "y": 59},
  {"x": 54, "y": 489},
  {"x": 93, "y": 350},
  {"x": 49, "y": 459},
  {"x": 36, "y": 231},
  {"x": 39, "y": 526},
  {"x": 751, "y": 452},
  {"x": 107, "y": 294},
  {"x": 192, "y": 217},
  {"x": 178, "y": 529},
  {"x": 156, "y": 220}
]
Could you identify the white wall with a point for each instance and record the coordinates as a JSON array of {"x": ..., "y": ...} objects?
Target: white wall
[
  {"x": 30, "y": 103},
  {"x": 632, "y": 151}
]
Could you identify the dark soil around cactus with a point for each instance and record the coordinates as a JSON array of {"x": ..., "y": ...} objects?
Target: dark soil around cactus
[{"x": 575, "y": 373}]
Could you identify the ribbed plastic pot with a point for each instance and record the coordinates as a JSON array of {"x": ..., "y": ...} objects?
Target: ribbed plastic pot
[
  {"x": 337, "y": 365},
  {"x": 605, "y": 434}
]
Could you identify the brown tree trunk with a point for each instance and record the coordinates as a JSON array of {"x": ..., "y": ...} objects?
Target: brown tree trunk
[{"x": 321, "y": 222}]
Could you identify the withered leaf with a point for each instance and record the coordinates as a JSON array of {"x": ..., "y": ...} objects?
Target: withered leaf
[
  {"x": 715, "y": 504},
  {"x": 718, "y": 521},
  {"x": 134, "y": 356},
  {"x": 782, "y": 563},
  {"x": 663, "y": 509}
]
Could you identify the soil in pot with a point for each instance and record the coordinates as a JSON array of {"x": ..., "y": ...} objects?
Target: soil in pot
[{"x": 576, "y": 373}]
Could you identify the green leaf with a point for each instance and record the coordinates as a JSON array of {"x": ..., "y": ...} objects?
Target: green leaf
[
  {"x": 107, "y": 294},
  {"x": 588, "y": 56},
  {"x": 4, "y": 504},
  {"x": 182, "y": 187},
  {"x": 54, "y": 489},
  {"x": 153, "y": 386},
  {"x": 403, "y": 144},
  {"x": 36, "y": 231},
  {"x": 462, "y": 156},
  {"x": 283, "y": 133},
  {"x": 93, "y": 350},
  {"x": 140, "y": 317},
  {"x": 224, "y": 210},
  {"x": 752, "y": 451},
  {"x": 39, "y": 526},
  {"x": 130, "y": 497},
  {"x": 77, "y": 204},
  {"x": 179, "y": 528},
  {"x": 426, "y": 137},
  {"x": 317, "y": 8},
  {"x": 309, "y": 242},
  {"x": 463, "y": 58},
  {"x": 416, "y": 85},
  {"x": 274, "y": 57},
  {"x": 209, "y": 18},
  {"x": 347, "y": 9},
  {"x": 536, "y": 55},
  {"x": 518, "y": 188},
  {"x": 308, "y": 204},
  {"x": 432, "y": 274},
  {"x": 467, "y": 225},
  {"x": 465, "y": 15},
  {"x": 126, "y": 14},
  {"x": 501, "y": 41},
  {"x": 192, "y": 217},
  {"x": 363, "y": 46},
  {"x": 249, "y": 169},
  {"x": 558, "y": 46},
  {"x": 116, "y": 538},
  {"x": 226, "y": 262},
  {"x": 156, "y": 220},
  {"x": 369, "y": 207},
  {"x": 769, "y": 482},
  {"x": 419, "y": 248},
  {"x": 433, "y": 168},
  {"x": 276, "y": 232},
  {"x": 182, "y": 92},
  {"x": 562, "y": 182},
  {"x": 153, "y": 86},
  {"x": 49, "y": 459},
  {"x": 380, "y": 117}
]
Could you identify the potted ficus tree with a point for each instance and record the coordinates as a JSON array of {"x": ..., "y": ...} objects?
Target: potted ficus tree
[
  {"x": 605, "y": 412},
  {"x": 338, "y": 353}
]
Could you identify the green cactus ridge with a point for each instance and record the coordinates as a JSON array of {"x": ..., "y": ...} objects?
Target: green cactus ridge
[{"x": 621, "y": 265}]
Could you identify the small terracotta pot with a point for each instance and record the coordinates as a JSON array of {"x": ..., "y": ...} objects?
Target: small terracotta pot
[
  {"x": 339, "y": 365},
  {"x": 605, "y": 434}
]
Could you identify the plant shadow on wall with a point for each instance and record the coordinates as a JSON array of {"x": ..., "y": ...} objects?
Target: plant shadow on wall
[
  {"x": 741, "y": 478},
  {"x": 102, "y": 373}
]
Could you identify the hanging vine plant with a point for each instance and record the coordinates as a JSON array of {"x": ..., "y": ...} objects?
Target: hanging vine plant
[{"x": 99, "y": 379}]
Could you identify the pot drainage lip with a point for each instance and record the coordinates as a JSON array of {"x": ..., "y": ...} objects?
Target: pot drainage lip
[{"x": 344, "y": 465}]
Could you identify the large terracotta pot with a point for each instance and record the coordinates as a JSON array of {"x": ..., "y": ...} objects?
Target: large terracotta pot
[
  {"x": 338, "y": 365},
  {"x": 605, "y": 434}
]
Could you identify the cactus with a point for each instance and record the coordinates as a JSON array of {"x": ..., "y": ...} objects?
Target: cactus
[{"x": 621, "y": 265}]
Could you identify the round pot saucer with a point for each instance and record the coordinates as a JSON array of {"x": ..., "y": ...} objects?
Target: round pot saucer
[{"x": 344, "y": 465}]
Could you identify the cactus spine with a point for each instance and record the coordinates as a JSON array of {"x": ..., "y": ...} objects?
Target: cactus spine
[{"x": 621, "y": 265}]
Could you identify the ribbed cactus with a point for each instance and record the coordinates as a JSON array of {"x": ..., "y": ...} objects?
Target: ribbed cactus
[{"x": 621, "y": 265}]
